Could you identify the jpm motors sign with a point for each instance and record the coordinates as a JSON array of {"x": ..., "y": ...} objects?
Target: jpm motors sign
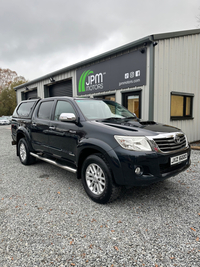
[{"x": 126, "y": 71}]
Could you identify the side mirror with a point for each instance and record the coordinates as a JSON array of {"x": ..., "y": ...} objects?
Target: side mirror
[{"x": 70, "y": 117}]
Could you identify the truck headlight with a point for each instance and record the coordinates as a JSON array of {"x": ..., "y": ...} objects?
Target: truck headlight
[
  {"x": 136, "y": 143},
  {"x": 186, "y": 141}
]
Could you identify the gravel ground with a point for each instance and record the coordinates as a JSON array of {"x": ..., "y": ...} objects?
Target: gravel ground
[{"x": 46, "y": 219}]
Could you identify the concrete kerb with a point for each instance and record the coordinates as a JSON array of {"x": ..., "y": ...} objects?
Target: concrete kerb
[{"x": 195, "y": 145}]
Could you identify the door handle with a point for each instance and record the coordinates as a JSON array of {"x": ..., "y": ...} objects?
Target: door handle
[
  {"x": 72, "y": 131},
  {"x": 52, "y": 127},
  {"x": 34, "y": 124}
]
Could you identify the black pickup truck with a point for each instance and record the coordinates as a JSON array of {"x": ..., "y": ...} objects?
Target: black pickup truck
[{"x": 101, "y": 141}]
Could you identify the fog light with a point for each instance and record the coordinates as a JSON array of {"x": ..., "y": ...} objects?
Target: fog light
[{"x": 138, "y": 170}]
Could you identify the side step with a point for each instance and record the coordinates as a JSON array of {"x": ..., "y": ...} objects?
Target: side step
[{"x": 54, "y": 163}]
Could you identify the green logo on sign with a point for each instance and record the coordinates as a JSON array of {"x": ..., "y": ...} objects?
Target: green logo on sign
[{"x": 81, "y": 84}]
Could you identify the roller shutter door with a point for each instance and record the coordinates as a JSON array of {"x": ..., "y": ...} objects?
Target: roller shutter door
[
  {"x": 61, "y": 89},
  {"x": 31, "y": 94}
]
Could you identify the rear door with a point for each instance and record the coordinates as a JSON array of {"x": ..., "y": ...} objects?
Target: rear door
[{"x": 40, "y": 126}]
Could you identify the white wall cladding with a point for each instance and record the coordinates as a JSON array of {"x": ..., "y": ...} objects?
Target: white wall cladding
[{"x": 177, "y": 68}]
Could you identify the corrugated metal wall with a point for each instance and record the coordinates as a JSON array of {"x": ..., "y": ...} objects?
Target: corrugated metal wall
[
  {"x": 177, "y": 68},
  {"x": 40, "y": 85}
]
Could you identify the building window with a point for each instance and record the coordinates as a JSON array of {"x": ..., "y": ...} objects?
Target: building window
[
  {"x": 107, "y": 97},
  {"x": 181, "y": 106}
]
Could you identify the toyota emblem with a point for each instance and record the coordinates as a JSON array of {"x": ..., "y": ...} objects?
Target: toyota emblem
[{"x": 177, "y": 139}]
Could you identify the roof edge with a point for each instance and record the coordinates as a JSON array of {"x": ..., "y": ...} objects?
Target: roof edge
[
  {"x": 147, "y": 39},
  {"x": 87, "y": 61},
  {"x": 161, "y": 36}
]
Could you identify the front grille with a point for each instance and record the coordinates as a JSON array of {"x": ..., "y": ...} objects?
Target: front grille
[{"x": 171, "y": 143}]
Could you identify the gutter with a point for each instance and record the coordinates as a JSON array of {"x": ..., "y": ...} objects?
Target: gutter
[
  {"x": 87, "y": 61},
  {"x": 151, "y": 78},
  {"x": 147, "y": 39}
]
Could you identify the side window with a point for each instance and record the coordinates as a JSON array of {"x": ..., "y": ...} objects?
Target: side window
[
  {"x": 24, "y": 109},
  {"x": 44, "y": 111},
  {"x": 63, "y": 107},
  {"x": 181, "y": 106}
]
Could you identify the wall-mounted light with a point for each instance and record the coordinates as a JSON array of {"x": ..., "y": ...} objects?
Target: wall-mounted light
[
  {"x": 26, "y": 89},
  {"x": 142, "y": 50},
  {"x": 52, "y": 79}
]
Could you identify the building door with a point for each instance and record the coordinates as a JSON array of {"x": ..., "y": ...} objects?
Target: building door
[
  {"x": 61, "y": 89},
  {"x": 29, "y": 94},
  {"x": 132, "y": 101}
]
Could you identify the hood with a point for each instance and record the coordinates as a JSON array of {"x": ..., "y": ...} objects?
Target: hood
[{"x": 140, "y": 126}]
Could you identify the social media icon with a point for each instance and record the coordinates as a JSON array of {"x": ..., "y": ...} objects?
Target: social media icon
[
  {"x": 126, "y": 75},
  {"x": 137, "y": 73}
]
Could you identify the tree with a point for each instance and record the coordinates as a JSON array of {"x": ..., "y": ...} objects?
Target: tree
[
  {"x": 8, "y": 76},
  {"x": 8, "y": 80}
]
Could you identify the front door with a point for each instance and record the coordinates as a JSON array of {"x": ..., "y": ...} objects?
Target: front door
[
  {"x": 132, "y": 101},
  {"x": 64, "y": 136}
]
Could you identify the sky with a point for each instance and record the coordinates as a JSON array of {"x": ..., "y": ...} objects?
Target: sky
[{"x": 38, "y": 37}]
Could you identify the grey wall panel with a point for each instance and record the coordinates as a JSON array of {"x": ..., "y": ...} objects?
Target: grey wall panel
[{"x": 177, "y": 68}]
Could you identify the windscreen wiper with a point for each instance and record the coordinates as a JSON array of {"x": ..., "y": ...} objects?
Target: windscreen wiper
[
  {"x": 129, "y": 118},
  {"x": 110, "y": 119}
]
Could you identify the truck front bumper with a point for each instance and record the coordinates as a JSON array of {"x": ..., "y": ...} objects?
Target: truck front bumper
[{"x": 145, "y": 168}]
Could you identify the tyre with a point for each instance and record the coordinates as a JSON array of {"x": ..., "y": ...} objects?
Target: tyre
[
  {"x": 24, "y": 153},
  {"x": 97, "y": 180}
]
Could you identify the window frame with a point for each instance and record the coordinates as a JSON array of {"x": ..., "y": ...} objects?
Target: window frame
[{"x": 184, "y": 95}]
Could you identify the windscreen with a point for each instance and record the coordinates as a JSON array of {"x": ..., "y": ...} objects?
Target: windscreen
[{"x": 103, "y": 109}]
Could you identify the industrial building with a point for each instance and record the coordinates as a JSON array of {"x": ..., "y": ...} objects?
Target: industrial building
[{"x": 156, "y": 77}]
